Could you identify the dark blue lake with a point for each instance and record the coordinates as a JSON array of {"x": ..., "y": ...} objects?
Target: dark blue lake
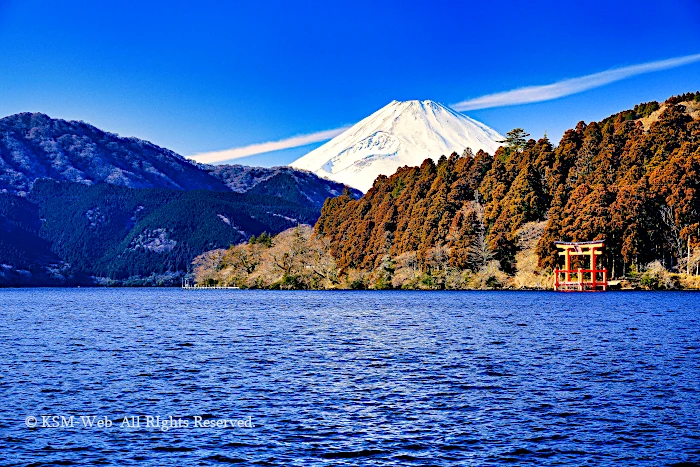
[{"x": 348, "y": 378}]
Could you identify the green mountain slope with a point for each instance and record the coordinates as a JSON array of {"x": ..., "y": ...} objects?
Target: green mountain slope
[{"x": 115, "y": 232}]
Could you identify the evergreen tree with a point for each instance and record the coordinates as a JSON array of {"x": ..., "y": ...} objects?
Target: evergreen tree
[{"x": 515, "y": 140}]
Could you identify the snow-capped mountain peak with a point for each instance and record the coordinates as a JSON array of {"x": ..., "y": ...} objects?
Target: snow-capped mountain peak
[{"x": 401, "y": 133}]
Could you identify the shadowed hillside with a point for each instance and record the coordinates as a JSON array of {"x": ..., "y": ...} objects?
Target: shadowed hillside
[
  {"x": 116, "y": 232},
  {"x": 78, "y": 202}
]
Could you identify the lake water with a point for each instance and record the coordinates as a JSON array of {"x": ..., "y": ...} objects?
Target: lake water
[{"x": 348, "y": 378}]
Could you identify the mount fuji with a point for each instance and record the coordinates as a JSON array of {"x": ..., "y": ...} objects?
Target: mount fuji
[{"x": 401, "y": 133}]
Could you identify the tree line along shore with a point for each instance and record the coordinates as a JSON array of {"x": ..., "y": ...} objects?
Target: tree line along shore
[{"x": 481, "y": 221}]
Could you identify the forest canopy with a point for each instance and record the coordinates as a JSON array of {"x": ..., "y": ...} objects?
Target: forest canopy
[{"x": 471, "y": 219}]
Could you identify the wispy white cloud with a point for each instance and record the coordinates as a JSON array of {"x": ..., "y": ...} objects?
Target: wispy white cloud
[
  {"x": 567, "y": 87},
  {"x": 260, "y": 148},
  {"x": 526, "y": 95}
]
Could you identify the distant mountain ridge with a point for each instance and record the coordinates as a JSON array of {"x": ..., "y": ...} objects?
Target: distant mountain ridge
[
  {"x": 35, "y": 146},
  {"x": 293, "y": 184},
  {"x": 78, "y": 203},
  {"x": 399, "y": 134}
]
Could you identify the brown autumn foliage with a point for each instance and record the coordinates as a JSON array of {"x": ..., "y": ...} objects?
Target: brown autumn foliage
[
  {"x": 612, "y": 179},
  {"x": 482, "y": 221}
]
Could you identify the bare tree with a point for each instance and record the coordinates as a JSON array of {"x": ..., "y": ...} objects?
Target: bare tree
[
  {"x": 437, "y": 258},
  {"x": 672, "y": 231},
  {"x": 478, "y": 252}
]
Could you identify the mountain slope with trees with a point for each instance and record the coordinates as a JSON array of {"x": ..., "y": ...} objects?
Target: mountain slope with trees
[
  {"x": 35, "y": 146},
  {"x": 119, "y": 234},
  {"x": 631, "y": 179},
  {"x": 301, "y": 186},
  {"x": 76, "y": 201},
  {"x": 25, "y": 257}
]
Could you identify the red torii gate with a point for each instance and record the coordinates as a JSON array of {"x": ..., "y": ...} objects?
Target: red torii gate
[{"x": 591, "y": 249}]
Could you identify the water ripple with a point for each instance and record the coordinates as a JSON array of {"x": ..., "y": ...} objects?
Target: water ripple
[{"x": 352, "y": 378}]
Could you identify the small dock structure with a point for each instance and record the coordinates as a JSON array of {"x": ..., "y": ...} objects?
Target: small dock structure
[
  {"x": 187, "y": 285},
  {"x": 581, "y": 279}
]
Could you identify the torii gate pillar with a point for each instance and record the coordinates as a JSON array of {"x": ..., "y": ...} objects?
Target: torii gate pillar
[{"x": 590, "y": 249}]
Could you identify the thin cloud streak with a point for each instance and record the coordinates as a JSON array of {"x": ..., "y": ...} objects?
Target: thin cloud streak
[
  {"x": 567, "y": 87},
  {"x": 526, "y": 95},
  {"x": 260, "y": 148}
]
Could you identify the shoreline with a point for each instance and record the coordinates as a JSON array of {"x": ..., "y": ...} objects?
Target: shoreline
[{"x": 239, "y": 289}]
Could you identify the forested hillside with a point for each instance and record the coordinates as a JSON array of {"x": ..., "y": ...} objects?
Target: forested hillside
[
  {"x": 118, "y": 233},
  {"x": 77, "y": 202},
  {"x": 35, "y": 146},
  {"x": 25, "y": 257},
  {"x": 631, "y": 179},
  {"x": 291, "y": 184}
]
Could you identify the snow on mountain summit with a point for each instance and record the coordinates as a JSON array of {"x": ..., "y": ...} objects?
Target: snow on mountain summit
[{"x": 401, "y": 133}]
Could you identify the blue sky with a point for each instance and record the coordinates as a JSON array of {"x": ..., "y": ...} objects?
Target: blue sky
[{"x": 208, "y": 76}]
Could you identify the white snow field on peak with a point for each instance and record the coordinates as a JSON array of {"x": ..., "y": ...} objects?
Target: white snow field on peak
[{"x": 401, "y": 133}]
